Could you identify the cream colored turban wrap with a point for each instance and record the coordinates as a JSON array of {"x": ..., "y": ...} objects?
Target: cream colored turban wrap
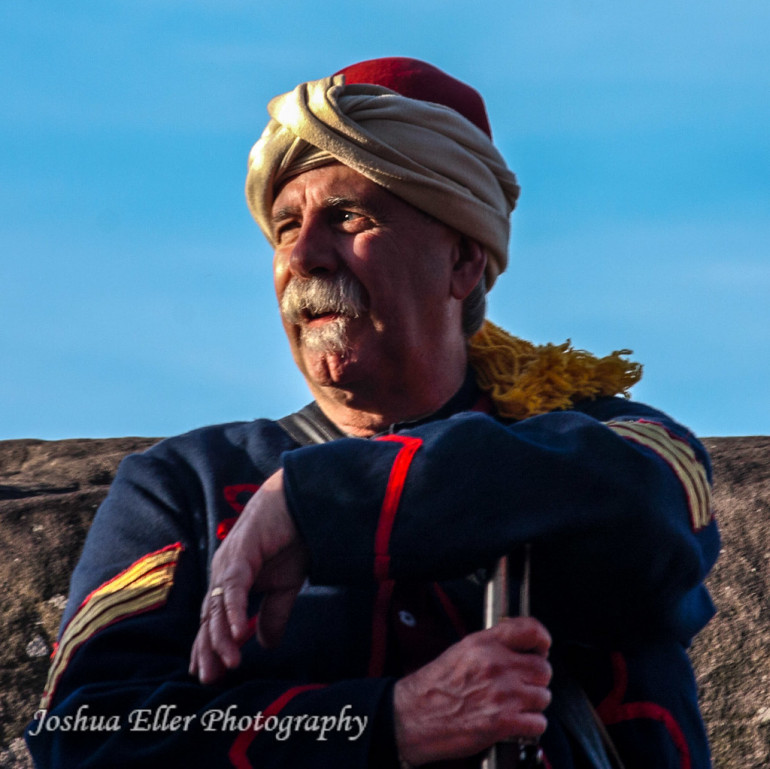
[{"x": 426, "y": 154}]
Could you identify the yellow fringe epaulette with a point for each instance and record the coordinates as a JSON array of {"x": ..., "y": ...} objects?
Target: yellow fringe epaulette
[{"x": 524, "y": 379}]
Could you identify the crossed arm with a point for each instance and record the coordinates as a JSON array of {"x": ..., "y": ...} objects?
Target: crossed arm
[
  {"x": 592, "y": 502},
  {"x": 601, "y": 500},
  {"x": 491, "y": 685}
]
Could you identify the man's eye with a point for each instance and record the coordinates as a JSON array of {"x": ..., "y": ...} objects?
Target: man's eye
[
  {"x": 285, "y": 229},
  {"x": 351, "y": 218}
]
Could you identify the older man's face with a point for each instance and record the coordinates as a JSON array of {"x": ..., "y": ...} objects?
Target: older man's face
[{"x": 365, "y": 281}]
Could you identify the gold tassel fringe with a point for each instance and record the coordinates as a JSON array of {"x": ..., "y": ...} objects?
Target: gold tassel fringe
[{"x": 524, "y": 379}]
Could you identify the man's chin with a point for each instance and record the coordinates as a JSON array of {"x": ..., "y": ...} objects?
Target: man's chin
[
  {"x": 329, "y": 353},
  {"x": 327, "y": 368}
]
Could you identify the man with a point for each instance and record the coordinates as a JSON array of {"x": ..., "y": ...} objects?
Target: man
[{"x": 367, "y": 524}]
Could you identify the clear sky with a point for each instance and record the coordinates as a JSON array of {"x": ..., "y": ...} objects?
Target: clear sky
[{"x": 135, "y": 290}]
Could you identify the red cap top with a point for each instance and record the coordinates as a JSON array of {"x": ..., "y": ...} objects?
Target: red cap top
[{"x": 419, "y": 80}]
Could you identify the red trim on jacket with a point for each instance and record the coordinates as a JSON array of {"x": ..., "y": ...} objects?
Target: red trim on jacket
[
  {"x": 237, "y": 753},
  {"x": 232, "y": 493},
  {"x": 451, "y": 611},
  {"x": 612, "y": 710},
  {"x": 390, "y": 502},
  {"x": 225, "y": 526}
]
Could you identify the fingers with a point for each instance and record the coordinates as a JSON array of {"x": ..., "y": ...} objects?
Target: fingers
[
  {"x": 223, "y": 621},
  {"x": 220, "y": 630},
  {"x": 490, "y": 686},
  {"x": 215, "y": 649},
  {"x": 274, "y": 612},
  {"x": 523, "y": 634},
  {"x": 205, "y": 663},
  {"x": 529, "y": 726},
  {"x": 525, "y": 692},
  {"x": 262, "y": 552},
  {"x": 230, "y": 614}
]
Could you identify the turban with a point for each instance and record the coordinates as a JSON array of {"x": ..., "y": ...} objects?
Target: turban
[{"x": 383, "y": 119}]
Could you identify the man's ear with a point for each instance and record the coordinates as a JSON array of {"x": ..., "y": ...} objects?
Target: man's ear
[{"x": 468, "y": 267}]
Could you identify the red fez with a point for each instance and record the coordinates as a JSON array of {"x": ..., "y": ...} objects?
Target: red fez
[{"x": 419, "y": 80}]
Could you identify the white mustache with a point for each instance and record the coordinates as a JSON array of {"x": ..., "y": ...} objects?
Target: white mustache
[{"x": 341, "y": 295}]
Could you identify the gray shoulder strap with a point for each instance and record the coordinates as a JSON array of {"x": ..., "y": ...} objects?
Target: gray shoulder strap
[{"x": 310, "y": 426}]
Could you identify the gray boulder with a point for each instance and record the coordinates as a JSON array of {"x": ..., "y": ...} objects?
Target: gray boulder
[{"x": 49, "y": 491}]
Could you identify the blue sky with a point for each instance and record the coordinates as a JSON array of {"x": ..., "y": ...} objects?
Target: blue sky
[{"x": 136, "y": 290}]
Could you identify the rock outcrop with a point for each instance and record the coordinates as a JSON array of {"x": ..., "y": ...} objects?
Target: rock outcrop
[
  {"x": 49, "y": 492},
  {"x": 732, "y": 654}
]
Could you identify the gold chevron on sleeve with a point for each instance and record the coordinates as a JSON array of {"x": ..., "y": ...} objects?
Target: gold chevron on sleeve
[
  {"x": 143, "y": 586},
  {"x": 680, "y": 457}
]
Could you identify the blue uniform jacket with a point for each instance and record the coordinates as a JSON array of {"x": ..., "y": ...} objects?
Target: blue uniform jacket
[{"x": 613, "y": 497}]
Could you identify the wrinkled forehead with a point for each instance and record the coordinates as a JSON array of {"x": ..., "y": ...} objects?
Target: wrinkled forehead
[
  {"x": 309, "y": 159},
  {"x": 335, "y": 185}
]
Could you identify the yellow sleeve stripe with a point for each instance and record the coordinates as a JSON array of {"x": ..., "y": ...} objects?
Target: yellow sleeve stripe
[
  {"x": 143, "y": 586},
  {"x": 682, "y": 460}
]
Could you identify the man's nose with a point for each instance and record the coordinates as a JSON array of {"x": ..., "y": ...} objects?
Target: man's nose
[{"x": 314, "y": 251}]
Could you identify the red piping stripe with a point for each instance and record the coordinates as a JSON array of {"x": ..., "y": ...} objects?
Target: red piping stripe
[
  {"x": 390, "y": 503},
  {"x": 392, "y": 498},
  {"x": 612, "y": 710},
  {"x": 231, "y": 494},
  {"x": 451, "y": 611},
  {"x": 225, "y": 526},
  {"x": 613, "y": 700},
  {"x": 237, "y": 753}
]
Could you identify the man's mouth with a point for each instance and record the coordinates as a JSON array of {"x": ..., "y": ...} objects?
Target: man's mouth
[
  {"x": 317, "y": 318},
  {"x": 324, "y": 332},
  {"x": 320, "y": 301}
]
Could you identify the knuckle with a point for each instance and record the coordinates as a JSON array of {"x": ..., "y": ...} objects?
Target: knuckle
[
  {"x": 493, "y": 668},
  {"x": 538, "y": 670},
  {"x": 538, "y": 724},
  {"x": 230, "y": 580},
  {"x": 536, "y": 699},
  {"x": 476, "y": 641},
  {"x": 529, "y": 725}
]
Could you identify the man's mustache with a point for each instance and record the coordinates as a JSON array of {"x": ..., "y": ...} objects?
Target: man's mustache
[{"x": 341, "y": 294}]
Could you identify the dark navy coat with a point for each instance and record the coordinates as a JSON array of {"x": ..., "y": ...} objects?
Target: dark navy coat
[{"x": 612, "y": 496}]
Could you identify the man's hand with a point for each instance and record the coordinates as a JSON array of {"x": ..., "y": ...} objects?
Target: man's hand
[
  {"x": 262, "y": 551},
  {"x": 491, "y": 685}
]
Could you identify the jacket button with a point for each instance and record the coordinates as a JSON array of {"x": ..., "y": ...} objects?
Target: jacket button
[{"x": 407, "y": 618}]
